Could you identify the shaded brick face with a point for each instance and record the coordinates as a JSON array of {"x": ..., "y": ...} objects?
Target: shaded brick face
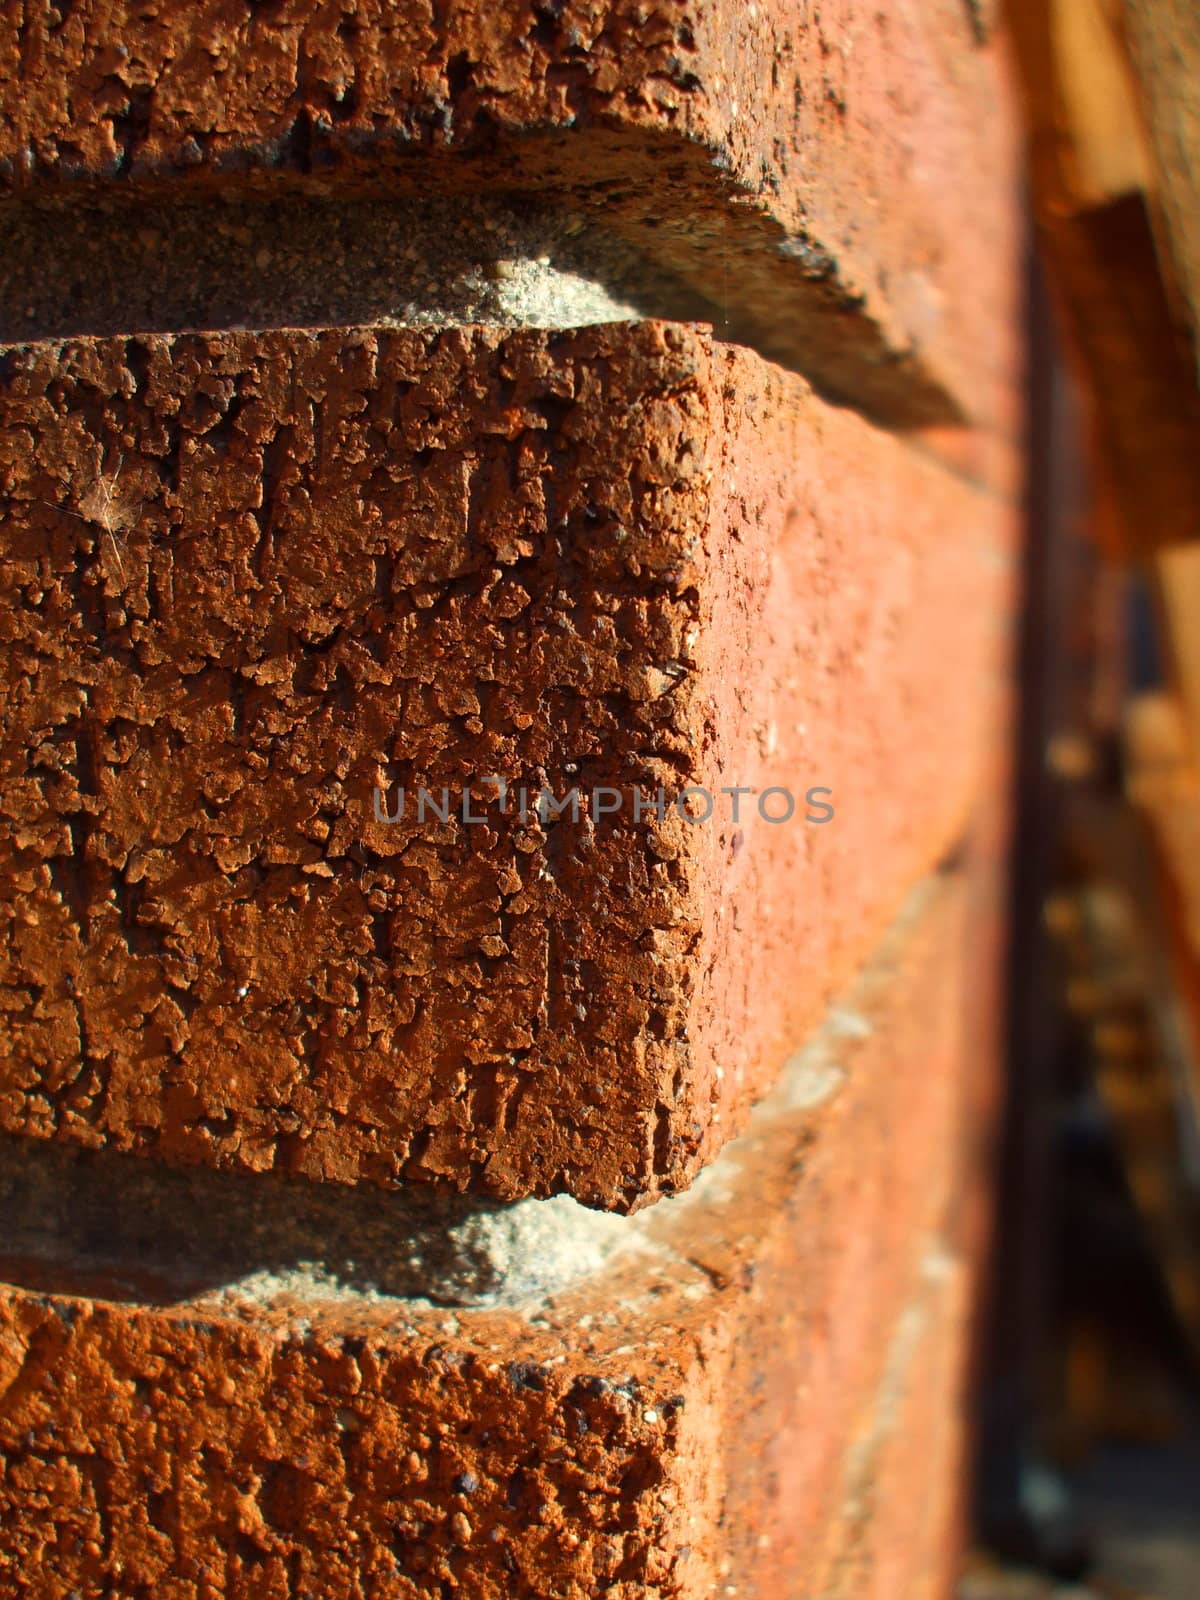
[{"x": 260, "y": 579}]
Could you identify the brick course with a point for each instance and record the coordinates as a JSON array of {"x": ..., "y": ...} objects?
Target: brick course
[
  {"x": 256, "y": 576},
  {"x": 839, "y": 182},
  {"x": 679, "y": 1425}
]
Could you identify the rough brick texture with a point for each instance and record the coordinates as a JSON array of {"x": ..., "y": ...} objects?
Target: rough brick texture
[
  {"x": 724, "y": 1408},
  {"x": 249, "y": 577},
  {"x": 839, "y": 179}
]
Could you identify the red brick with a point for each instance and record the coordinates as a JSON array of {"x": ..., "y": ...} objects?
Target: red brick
[
  {"x": 249, "y": 576},
  {"x": 676, "y": 1423},
  {"x": 898, "y": 1522},
  {"x": 840, "y": 181},
  {"x": 901, "y": 1525}
]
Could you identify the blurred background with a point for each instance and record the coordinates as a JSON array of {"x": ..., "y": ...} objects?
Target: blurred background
[{"x": 1088, "y": 1464}]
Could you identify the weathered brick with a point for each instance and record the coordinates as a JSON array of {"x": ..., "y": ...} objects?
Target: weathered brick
[
  {"x": 685, "y": 1421},
  {"x": 248, "y": 577},
  {"x": 840, "y": 181}
]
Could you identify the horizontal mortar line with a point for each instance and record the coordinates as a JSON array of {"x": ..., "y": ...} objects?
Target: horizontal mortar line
[
  {"x": 140, "y": 264},
  {"x": 198, "y": 270},
  {"x": 155, "y": 268}
]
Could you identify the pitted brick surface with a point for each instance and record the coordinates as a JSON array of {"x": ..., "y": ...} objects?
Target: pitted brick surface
[
  {"x": 250, "y": 577},
  {"x": 681, "y": 1422},
  {"x": 840, "y": 180}
]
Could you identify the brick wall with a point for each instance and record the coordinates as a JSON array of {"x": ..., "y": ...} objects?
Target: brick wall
[{"x": 508, "y": 558}]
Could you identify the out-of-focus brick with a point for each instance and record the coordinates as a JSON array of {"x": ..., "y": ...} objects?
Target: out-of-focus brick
[
  {"x": 248, "y": 578},
  {"x": 900, "y": 1526},
  {"x": 676, "y": 1424},
  {"x": 840, "y": 181}
]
